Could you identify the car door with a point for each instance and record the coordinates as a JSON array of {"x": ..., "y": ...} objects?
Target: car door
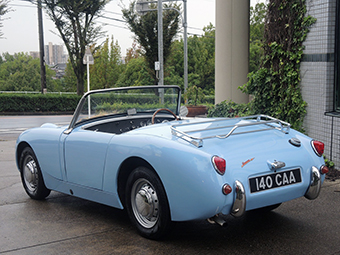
[{"x": 85, "y": 154}]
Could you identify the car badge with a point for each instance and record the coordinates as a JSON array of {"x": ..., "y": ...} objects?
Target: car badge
[{"x": 246, "y": 162}]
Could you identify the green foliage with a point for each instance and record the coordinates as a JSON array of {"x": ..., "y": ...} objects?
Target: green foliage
[
  {"x": 229, "y": 109},
  {"x": 329, "y": 163},
  {"x": 257, "y": 19},
  {"x": 135, "y": 74},
  {"x": 108, "y": 66},
  {"x": 3, "y": 10},
  {"x": 145, "y": 28},
  {"x": 20, "y": 72},
  {"x": 202, "y": 57},
  {"x": 123, "y": 107},
  {"x": 276, "y": 85},
  {"x": 201, "y": 62},
  {"x": 23, "y": 103},
  {"x": 75, "y": 22},
  {"x": 70, "y": 79},
  {"x": 194, "y": 95}
]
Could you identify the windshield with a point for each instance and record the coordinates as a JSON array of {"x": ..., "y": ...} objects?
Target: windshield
[{"x": 126, "y": 101}]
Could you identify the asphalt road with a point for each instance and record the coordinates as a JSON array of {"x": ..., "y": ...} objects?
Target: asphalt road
[
  {"x": 66, "y": 225},
  {"x": 12, "y": 126}
]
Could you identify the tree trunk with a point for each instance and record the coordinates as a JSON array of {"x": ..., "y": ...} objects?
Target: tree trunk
[{"x": 80, "y": 77}]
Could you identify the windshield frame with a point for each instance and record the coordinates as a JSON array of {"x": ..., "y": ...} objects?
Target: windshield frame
[{"x": 85, "y": 97}]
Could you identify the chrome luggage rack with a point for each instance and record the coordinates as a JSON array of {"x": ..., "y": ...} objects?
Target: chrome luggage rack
[{"x": 255, "y": 120}]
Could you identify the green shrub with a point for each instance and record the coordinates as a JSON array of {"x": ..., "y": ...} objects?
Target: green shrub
[
  {"x": 228, "y": 109},
  {"x": 329, "y": 163},
  {"x": 39, "y": 103},
  {"x": 20, "y": 103}
]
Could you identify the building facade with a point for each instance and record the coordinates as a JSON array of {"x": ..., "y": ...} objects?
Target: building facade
[
  {"x": 54, "y": 54},
  {"x": 320, "y": 82},
  {"x": 320, "y": 67}
]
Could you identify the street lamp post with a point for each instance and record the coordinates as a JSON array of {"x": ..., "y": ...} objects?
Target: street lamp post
[{"x": 88, "y": 60}]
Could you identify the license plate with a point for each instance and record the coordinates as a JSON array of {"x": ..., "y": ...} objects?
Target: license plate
[{"x": 275, "y": 180}]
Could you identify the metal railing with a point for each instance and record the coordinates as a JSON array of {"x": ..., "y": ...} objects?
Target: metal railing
[{"x": 234, "y": 129}]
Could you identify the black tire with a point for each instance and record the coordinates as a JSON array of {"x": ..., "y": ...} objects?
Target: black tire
[
  {"x": 31, "y": 176},
  {"x": 147, "y": 204}
]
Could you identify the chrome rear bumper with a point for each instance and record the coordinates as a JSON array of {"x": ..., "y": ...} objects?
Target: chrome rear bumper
[
  {"x": 239, "y": 206},
  {"x": 315, "y": 185}
]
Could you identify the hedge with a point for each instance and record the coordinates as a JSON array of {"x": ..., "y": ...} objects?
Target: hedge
[
  {"x": 38, "y": 103},
  {"x": 54, "y": 103}
]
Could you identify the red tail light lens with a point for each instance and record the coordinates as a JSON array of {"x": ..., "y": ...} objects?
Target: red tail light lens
[
  {"x": 324, "y": 169},
  {"x": 226, "y": 189},
  {"x": 319, "y": 147},
  {"x": 219, "y": 164}
]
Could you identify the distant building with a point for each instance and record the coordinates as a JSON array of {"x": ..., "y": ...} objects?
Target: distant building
[
  {"x": 55, "y": 58},
  {"x": 54, "y": 54},
  {"x": 35, "y": 54}
]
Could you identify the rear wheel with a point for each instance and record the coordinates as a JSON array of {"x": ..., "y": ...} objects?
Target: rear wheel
[
  {"x": 31, "y": 176},
  {"x": 147, "y": 204}
]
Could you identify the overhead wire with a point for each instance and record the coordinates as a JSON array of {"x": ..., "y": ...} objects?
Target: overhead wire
[{"x": 34, "y": 4}]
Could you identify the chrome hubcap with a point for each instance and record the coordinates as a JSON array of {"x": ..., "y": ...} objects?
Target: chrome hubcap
[
  {"x": 144, "y": 202},
  {"x": 30, "y": 174}
]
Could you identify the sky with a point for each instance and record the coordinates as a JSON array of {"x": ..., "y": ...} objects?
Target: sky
[{"x": 20, "y": 26}]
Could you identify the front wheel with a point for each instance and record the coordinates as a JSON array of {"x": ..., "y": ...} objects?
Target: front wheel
[
  {"x": 147, "y": 204},
  {"x": 31, "y": 176}
]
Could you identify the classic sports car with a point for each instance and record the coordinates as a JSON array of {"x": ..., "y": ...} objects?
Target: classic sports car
[{"x": 130, "y": 148}]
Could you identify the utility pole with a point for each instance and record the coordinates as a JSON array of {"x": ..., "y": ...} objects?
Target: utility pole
[
  {"x": 141, "y": 7},
  {"x": 41, "y": 48}
]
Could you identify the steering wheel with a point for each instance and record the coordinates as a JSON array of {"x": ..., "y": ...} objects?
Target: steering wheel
[{"x": 162, "y": 109}]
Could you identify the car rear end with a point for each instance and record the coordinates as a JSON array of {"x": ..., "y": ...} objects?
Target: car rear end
[{"x": 263, "y": 164}]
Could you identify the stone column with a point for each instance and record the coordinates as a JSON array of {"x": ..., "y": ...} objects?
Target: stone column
[{"x": 232, "y": 49}]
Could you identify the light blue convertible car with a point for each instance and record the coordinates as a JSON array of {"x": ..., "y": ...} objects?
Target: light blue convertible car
[{"x": 131, "y": 148}]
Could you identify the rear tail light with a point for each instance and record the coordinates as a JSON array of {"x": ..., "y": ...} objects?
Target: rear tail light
[
  {"x": 318, "y": 147},
  {"x": 226, "y": 189},
  {"x": 324, "y": 169},
  {"x": 219, "y": 164}
]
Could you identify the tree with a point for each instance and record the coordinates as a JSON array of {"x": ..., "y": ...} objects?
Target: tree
[
  {"x": 133, "y": 52},
  {"x": 145, "y": 29},
  {"x": 135, "y": 73},
  {"x": 257, "y": 19},
  {"x": 3, "y": 10},
  {"x": 70, "y": 79},
  {"x": 203, "y": 55},
  {"x": 201, "y": 61},
  {"x": 74, "y": 20},
  {"x": 108, "y": 66},
  {"x": 20, "y": 72}
]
